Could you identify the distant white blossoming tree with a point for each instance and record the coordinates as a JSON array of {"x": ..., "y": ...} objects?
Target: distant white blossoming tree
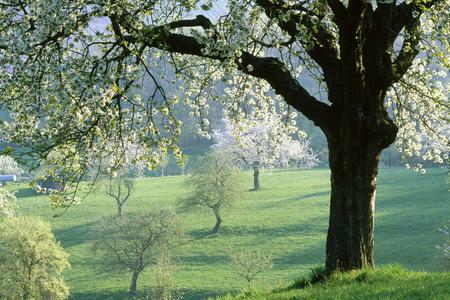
[
  {"x": 9, "y": 165},
  {"x": 264, "y": 142}
]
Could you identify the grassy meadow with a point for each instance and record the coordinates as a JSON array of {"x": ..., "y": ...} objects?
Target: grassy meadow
[{"x": 287, "y": 218}]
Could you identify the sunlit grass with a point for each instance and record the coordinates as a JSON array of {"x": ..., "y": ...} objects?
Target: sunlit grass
[{"x": 287, "y": 218}]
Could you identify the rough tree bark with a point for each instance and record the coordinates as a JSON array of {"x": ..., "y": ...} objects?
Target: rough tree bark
[{"x": 354, "y": 155}]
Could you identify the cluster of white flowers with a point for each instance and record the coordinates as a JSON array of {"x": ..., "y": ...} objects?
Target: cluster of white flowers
[
  {"x": 78, "y": 97},
  {"x": 9, "y": 165},
  {"x": 264, "y": 141},
  {"x": 420, "y": 104}
]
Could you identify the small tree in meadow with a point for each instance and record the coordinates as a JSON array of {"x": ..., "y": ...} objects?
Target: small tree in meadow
[
  {"x": 133, "y": 244},
  {"x": 249, "y": 264},
  {"x": 444, "y": 248},
  {"x": 31, "y": 261},
  {"x": 184, "y": 162},
  {"x": 119, "y": 188},
  {"x": 216, "y": 184},
  {"x": 165, "y": 288}
]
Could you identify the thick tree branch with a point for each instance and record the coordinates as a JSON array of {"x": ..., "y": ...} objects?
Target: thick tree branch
[
  {"x": 339, "y": 11},
  {"x": 320, "y": 45},
  {"x": 268, "y": 68},
  {"x": 322, "y": 48},
  {"x": 408, "y": 52}
]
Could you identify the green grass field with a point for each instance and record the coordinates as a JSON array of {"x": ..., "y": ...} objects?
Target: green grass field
[
  {"x": 391, "y": 282},
  {"x": 287, "y": 218}
]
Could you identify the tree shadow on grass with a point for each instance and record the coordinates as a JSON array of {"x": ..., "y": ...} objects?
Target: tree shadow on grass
[
  {"x": 203, "y": 260},
  {"x": 313, "y": 254},
  {"x": 26, "y": 192},
  {"x": 75, "y": 235},
  {"x": 295, "y": 199},
  {"x": 122, "y": 295},
  {"x": 146, "y": 294}
]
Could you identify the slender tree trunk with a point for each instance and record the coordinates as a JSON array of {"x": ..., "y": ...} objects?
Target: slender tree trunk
[
  {"x": 218, "y": 220},
  {"x": 119, "y": 209},
  {"x": 256, "y": 185},
  {"x": 133, "y": 286},
  {"x": 162, "y": 172}
]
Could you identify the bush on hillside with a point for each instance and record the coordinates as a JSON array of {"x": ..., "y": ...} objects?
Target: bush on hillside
[{"x": 31, "y": 261}]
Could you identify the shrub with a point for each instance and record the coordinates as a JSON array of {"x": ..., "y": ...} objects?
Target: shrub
[
  {"x": 7, "y": 204},
  {"x": 445, "y": 247},
  {"x": 165, "y": 288},
  {"x": 133, "y": 244},
  {"x": 249, "y": 264},
  {"x": 31, "y": 261}
]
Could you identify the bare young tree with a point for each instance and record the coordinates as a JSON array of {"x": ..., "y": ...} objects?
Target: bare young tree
[
  {"x": 133, "y": 244},
  {"x": 249, "y": 264},
  {"x": 119, "y": 189},
  {"x": 215, "y": 184}
]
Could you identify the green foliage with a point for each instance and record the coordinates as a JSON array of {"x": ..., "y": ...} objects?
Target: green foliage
[
  {"x": 31, "y": 261},
  {"x": 392, "y": 282},
  {"x": 249, "y": 264},
  {"x": 215, "y": 184},
  {"x": 7, "y": 203}
]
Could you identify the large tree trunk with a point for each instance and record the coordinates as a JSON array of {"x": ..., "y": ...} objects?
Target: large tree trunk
[
  {"x": 218, "y": 220},
  {"x": 256, "y": 185},
  {"x": 133, "y": 286},
  {"x": 350, "y": 242},
  {"x": 355, "y": 143}
]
